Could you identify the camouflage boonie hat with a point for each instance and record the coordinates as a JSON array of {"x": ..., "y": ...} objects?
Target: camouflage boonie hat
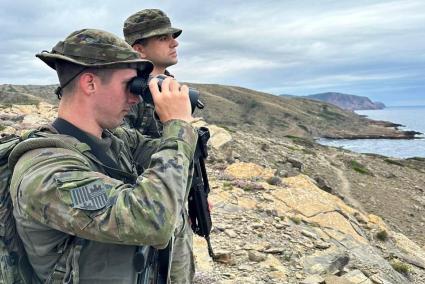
[
  {"x": 95, "y": 48},
  {"x": 148, "y": 23}
]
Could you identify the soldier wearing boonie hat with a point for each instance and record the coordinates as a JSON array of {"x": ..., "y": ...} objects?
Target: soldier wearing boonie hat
[
  {"x": 83, "y": 212},
  {"x": 151, "y": 33},
  {"x": 91, "y": 48}
]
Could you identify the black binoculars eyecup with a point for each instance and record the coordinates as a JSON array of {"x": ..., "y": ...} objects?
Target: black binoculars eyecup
[{"x": 139, "y": 86}]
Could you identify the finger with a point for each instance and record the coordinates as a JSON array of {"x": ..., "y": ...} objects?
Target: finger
[
  {"x": 165, "y": 86},
  {"x": 174, "y": 86},
  {"x": 184, "y": 90},
  {"x": 153, "y": 86}
]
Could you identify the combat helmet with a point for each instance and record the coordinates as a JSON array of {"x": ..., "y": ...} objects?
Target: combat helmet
[{"x": 148, "y": 23}]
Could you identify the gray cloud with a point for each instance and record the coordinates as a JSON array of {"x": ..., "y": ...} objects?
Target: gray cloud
[{"x": 371, "y": 48}]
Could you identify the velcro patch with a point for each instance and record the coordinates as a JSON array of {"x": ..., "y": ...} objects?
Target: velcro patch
[{"x": 91, "y": 196}]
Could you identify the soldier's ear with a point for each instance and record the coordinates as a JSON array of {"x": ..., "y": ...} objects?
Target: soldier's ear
[
  {"x": 140, "y": 49},
  {"x": 87, "y": 82}
]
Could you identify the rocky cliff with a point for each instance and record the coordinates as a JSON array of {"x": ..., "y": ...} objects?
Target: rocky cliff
[
  {"x": 287, "y": 210},
  {"x": 348, "y": 102}
]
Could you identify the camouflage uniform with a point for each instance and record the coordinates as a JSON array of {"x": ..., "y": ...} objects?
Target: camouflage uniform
[
  {"x": 64, "y": 190},
  {"x": 141, "y": 25}
]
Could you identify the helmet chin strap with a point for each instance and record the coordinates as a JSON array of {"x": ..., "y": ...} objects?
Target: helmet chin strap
[{"x": 58, "y": 90}]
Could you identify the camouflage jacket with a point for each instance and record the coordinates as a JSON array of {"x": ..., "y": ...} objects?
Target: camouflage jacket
[
  {"x": 142, "y": 117},
  {"x": 59, "y": 192}
]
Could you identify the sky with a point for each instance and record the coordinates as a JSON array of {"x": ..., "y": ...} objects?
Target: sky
[{"x": 366, "y": 48}]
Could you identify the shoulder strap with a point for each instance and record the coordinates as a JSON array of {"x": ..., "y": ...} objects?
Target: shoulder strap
[
  {"x": 109, "y": 165},
  {"x": 64, "y": 127}
]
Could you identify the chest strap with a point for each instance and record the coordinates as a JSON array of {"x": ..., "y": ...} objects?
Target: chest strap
[{"x": 109, "y": 165}]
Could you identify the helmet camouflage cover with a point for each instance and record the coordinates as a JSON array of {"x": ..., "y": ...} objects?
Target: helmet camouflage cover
[
  {"x": 148, "y": 23},
  {"x": 95, "y": 48}
]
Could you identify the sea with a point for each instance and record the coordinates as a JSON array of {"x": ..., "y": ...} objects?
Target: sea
[{"x": 411, "y": 117}]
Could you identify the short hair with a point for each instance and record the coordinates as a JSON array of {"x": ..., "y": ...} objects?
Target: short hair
[
  {"x": 142, "y": 41},
  {"x": 68, "y": 73}
]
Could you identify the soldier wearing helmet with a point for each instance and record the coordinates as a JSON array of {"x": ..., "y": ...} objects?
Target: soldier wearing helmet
[
  {"x": 151, "y": 34},
  {"x": 81, "y": 209}
]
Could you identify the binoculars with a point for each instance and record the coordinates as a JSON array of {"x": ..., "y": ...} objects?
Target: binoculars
[{"x": 139, "y": 86}]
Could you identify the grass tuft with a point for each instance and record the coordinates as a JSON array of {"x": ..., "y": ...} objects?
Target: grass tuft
[{"x": 400, "y": 267}]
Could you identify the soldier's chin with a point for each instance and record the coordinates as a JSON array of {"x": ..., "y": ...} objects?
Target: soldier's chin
[
  {"x": 113, "y": 124},
  {"x": 173, "y": 62}
]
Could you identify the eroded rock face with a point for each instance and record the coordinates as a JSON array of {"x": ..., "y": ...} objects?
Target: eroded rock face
[
  {"x": 312, "y": 234},
  {"x": 18, "y": 118},
  {"x": 248, "y": 171}
]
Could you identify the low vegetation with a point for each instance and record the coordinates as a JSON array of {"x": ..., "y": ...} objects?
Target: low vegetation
[
  {"x": 400, "y": 267},
  {"x": 393, "y": 162},
  {"x": 330, "y": 115},
  {"x": 227, "y": 185},
  {"x": 356, "y": 166},
  {"x": 295, "y": 219},
  {"x": 382, "y": 235},
  {"x": 301, "y": 141}
]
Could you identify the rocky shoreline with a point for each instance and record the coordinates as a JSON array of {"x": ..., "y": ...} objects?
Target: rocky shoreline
[
  {"x": 394, "y": 133},
  {"x": 407, "y": 135}
]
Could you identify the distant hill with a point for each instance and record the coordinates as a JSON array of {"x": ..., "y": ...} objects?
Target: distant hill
[
  {"x": 348, "y": 102},
  {"x": 27, "y": 94},
  {"x": 237, "y": 108}
]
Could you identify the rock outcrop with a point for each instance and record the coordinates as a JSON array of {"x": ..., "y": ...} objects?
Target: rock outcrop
[
  {"x": 17, "y": 118},
  {"x": 296, "y": 233}
]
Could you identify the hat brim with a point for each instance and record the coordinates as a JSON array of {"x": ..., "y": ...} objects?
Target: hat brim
[
  {"x": 157, "y": 32},
  {"x": 51, "y": 58}
]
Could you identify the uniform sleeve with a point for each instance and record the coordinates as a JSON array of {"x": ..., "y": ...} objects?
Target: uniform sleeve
[{"x": 60, "y": 189}]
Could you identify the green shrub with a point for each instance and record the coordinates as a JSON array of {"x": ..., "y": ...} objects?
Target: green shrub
[
  {"x": 400, "y": 267},
  {"x": 287, "y": 255},
  {"x": 359, "y": 168},
  {"x": 2, "y": 127},
  {"x": 253, "y": 104},
  {"x": 382, "y": 235},
  {"x": 227, "y": 185},
  {"x": 295, "y": 219}
]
